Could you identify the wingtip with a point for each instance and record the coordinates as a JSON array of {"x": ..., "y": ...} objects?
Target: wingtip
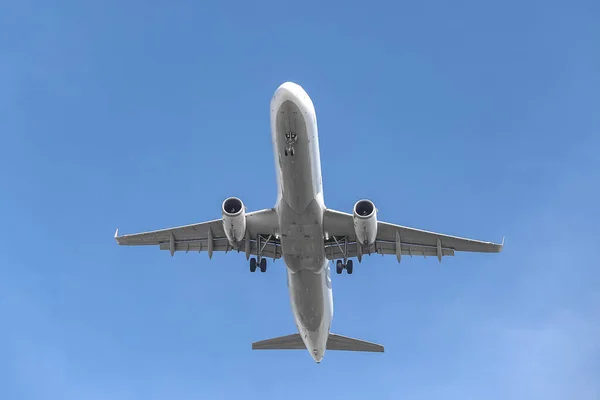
[
  {"x": 501, "y": 245},
  {"x": 117, "y": 236}
]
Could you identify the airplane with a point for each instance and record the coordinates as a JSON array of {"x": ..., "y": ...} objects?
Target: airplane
[{"x": 304, "y": 232}]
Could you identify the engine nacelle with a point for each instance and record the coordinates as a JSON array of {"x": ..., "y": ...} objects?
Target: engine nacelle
[
  {"x": 234, "y": 219},
  {"x": 365, "y": 222}
]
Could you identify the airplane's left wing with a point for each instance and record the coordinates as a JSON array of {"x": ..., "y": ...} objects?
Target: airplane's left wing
[
  {"x": 210, "y": 236},
  {"x": 395, "y": 240}
]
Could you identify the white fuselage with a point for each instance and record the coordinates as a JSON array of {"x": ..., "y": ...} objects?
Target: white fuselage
[{"x": 300, "y": 208}]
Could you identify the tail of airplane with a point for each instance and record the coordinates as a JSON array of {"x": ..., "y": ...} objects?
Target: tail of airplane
[{"x": 334, "y": 342}]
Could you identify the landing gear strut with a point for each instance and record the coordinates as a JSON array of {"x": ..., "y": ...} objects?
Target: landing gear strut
[
  {"x": 344, "y": 264},
  {"x": 260, "y": 261},
  {"x": 290, "y": 139}
]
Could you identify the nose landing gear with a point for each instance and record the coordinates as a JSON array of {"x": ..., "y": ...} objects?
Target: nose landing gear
[{"x": 290, "y": 139}]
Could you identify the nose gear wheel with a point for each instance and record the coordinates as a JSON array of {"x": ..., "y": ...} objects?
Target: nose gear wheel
[{"x": 291, "y": 139}]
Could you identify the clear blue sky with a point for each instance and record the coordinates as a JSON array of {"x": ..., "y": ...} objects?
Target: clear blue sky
[{"x": 466, "y": 118}]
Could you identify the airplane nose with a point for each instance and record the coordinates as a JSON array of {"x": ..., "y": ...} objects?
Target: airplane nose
[
  {"x": 291, "y": 90},
  {"x": 290, "y": 86}
]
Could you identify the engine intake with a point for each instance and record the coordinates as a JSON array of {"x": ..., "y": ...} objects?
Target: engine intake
[
  {"x": 365, "y": 222},
  {"x": 234, "y": 219}
]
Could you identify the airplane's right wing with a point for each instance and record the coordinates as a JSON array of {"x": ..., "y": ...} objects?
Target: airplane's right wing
[{"x": 210, "y": 236}]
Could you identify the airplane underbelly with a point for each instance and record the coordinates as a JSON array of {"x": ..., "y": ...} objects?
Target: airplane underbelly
[
  {"x": 302, "y": 239},
  {"x": 311, "y": 301},
  {"x": 293, "y": 147},
  {"x": 304, "y": 250}
]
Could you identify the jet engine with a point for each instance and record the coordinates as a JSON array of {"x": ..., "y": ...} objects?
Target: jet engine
[
  {"x": 365, "y": 222},
  {"x": 234, "y": 219}
]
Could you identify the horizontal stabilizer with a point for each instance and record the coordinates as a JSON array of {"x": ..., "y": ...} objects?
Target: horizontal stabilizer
[
  {"x": 338, "y": 342},
  {"x": 289, "y": 342},
  {"x": 334, "y": 342}
]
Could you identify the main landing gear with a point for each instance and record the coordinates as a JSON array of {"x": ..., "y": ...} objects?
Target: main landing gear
[
  {"x": 260, "y": 261},
  {"x": 290, "y": 140},
  {"x": 262, "y": 264},
  {"x": 340, "y": 266},
  {"x": 344, "y": 264}
]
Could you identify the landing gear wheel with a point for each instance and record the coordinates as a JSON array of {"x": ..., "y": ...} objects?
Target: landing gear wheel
[
  {"x": 339, "y": 267},
  {"x": 252, "y": 264},
  {"x": 349, "y": 267},
  {"x": 263, "y": 265},
  {"x": 292, "y": 152},
  {"x": 285, "y": 152}
]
